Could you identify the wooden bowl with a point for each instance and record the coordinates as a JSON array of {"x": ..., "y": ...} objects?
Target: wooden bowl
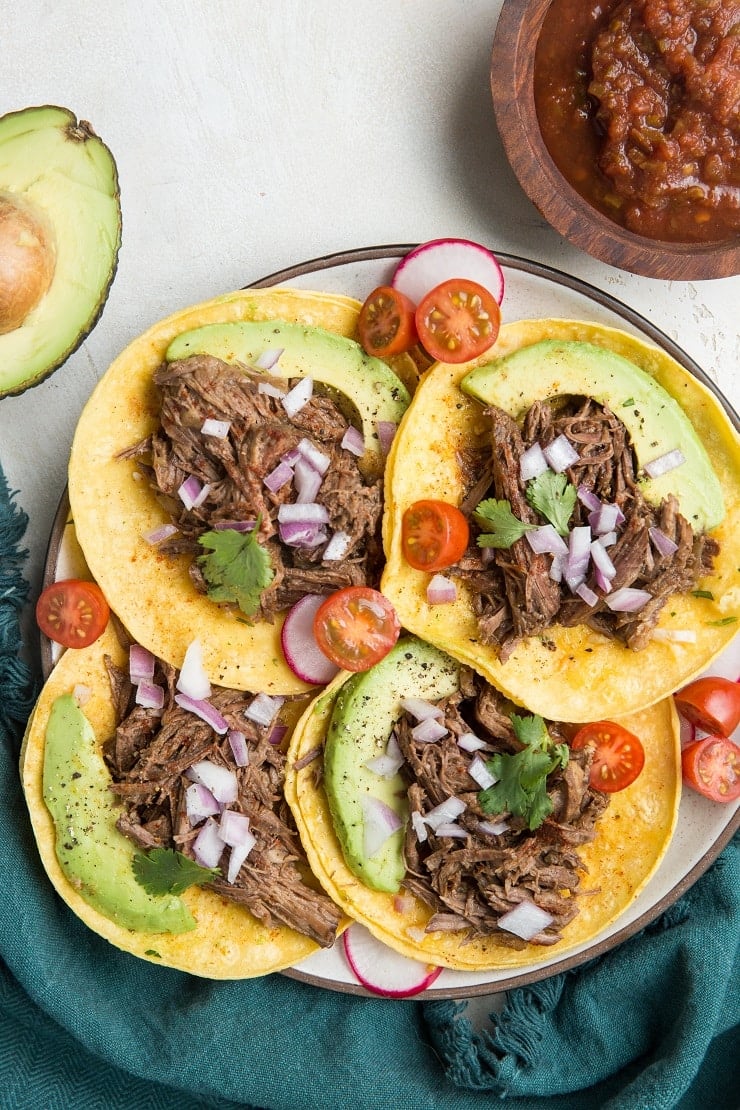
[{"x": 512, "y": 87}]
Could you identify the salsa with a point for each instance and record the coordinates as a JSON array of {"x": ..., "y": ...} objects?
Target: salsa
[{"x": 638, "y": 103}]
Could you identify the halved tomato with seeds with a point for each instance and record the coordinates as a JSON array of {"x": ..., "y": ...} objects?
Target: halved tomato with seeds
[
  {"x": 72, "y": 612},
  {"x": 356, "y": 627},
  {"x": 618, "y": 754},
  {"x": 458, "y": 320}
]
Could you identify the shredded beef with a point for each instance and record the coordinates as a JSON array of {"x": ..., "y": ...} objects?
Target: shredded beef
[
  {"x": 513, "y": 594},
  {"x": 471, "y": 881},
  {"x": 234, "y": 468},
  {"x": 149, "y": 756}
]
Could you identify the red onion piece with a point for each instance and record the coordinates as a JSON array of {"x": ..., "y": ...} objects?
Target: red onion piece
[
  {"x": 663, "y": 544},
  {"x": 295, "y": 399},
  {"x": 310, "y": 513},
  {"x": 307, "y": 482},
  {"x": 480, "y": 773},
  {"x": 493, "y": 828},
  {"x": 302, "y": 534},
  {"x": 149, "y": 695},
  {"x": 263, "y": 708},
  {"x": 448, "y": 810},
  {"x": 627, "y": 600},
  {"x": 221, "y": 781},
  {"x": 238, "y": 744},
  {"x": 192, "y": 679},
  {"x": 140, "y": 664},
  {"x": 605, "y": 519},
  {"x": 389, "y": 762},
  {"x": 469, "y": 742},
  {"x": 601, "y": 560},
  {"x": 669, "y": 461},
  {"x": 233, "y": 828},
  {"x": 82, "y": 694},
  {"x": 429, "y": 731},
  {"x": 546, "y": 541},
  {"x": 208, "y": 846},
  {"x": 608, "y": 539},
  {"x": 313, "y": 455},
  {"x": 587, "y": 594},
  {"x": 588, "y": 498},
  {"x": 278, "y": 477},
  {"x": 157, "y": 535},
  {"x": 269, "y": 358},
  {"x": 441, "y": 590},
  {"x": 560, "y": 454},
  {"x": 449, "y": 828},
  {"x": 337, "y": 547},
  {"x": 601, "y": 581},
  {"x": 190, "y": 491},
  {"x": 200, "y": 803},
  {"x": 386, "y": 430},
  {"x": 379, "y": 822},
  {"x": 234, "y": 525},
  {"x": 237, "y": 856},
  {"x": 675, "y": 635},
  {"x": 277, "y": 734},
  {"x": 532, "y": 463},
  {"x": 526, "y": 920},
  {"x": 579, "y": 554},
  {"x": 219, "y": 429},
  {"x": 203, "y": 709},
  {"x": 300, "y": 648},
  {"x": 353, "y": 441},
  {"x": 421, "y": 709},
  {"x": 418, "y": 824},
  {"x": 557, "y": 568},
  {"x": 269, "y": 389}
]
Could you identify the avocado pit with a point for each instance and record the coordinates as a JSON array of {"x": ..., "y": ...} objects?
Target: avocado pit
[{"x": 27, "y": 260}]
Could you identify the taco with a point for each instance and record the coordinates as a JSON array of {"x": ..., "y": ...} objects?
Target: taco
[
  {"x": 132, "y": 802},
  {"x": 463, "y": 832},
  {"x": 568, "y": 640},
  {"x": 228, "y": 463}
]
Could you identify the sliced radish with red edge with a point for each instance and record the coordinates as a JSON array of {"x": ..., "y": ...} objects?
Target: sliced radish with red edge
[
  {"x": 428, "y": 265},
  {"x": 381, "y": 969},
  {"x": 302, "y": 653}
]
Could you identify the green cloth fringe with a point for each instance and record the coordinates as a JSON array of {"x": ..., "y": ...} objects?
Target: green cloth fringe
[{"x": 17, "y": 685}]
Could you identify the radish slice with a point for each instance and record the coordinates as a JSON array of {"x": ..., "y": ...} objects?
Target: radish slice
[
  {"x": 302, "y": 653},
  {"x": 381, "y": 969},
  {"x": 441, "y": 259}
]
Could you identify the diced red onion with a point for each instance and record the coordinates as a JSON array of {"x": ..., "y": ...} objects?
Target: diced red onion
[
  {"x": 386, "y": 430},
  {"x": 140, "y": 664},
  {"x": 190, "y": 491},
  {"x": 307, "y": 482},
  {"x": 391, "y": 760},
  {"x": 263, "y": 707},
  {"x": 560, "y": 454},
  {"x": 450, "y": 828},
  {"x": 421, "y": 709},
  {"x": 627, "y": 600},
  {"x": 557, "y": 568},
  {"x": 601, "y": 580},
  {"x": 237, "y": 856},
  {"x": 221, "y": 781},
  {"x": 238, "y": 744},
  {"x": 607, "y": 540},
  {"x": 546, "y": 541},
  {"x": 192, "y": 679},
  {"x": 480, "y": 773},
  {"x": 158, "y": 535},
  {"x": 448, "y": 810},
  {"x": 149, "y": 695},
  {"x": 379, "y": 822},
  {"x": 234, "y": 525},
  {"x": 532, "y": 463},
  {"x": 469, "y": 742},
  {"x": 526, "y": 920},
  {"x": 587, "y": 594},
  {"x": 663, "y": 544},
  {"x": 605, "y": 519},
  {"x": 233, "y": 828},
  {"x": 208, "y": 845},
  {"x": 429, "y": 731},
  {"x": 402, "y": 903},
  {"x": 279, "y": 477},
  {"x": 203, "y": 709},
  {"x": 295, "y": 399},
  {"x": 310, "y": 513},
  {"x": 269, "y": 389},
  {"x": 200, "y": 803},
  {"x": 441, "y": 590},
  {"x": 277, "y": 734},
  {"x": 601, "y": 560},
  {"x": 493, "y": 828},
  {"x": 588, "y": 498},
  {"x": 419, "y": 826},
  {"x": 82, "y": 694},
  {"x": 579, "y": 553},
  {"x": 219, "y": 429},
  {"x": 675, "y": 635},
  {"x": 302, "y": 534},
  {"x": 353, "y": 441},
  {"x": 664, "y": 463},
  {"x": 337, "y": 547},
  {"x": 316, "y": 457},
  {"x": 269, "y": 358}
]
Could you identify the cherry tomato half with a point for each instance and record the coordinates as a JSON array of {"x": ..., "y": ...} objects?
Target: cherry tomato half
[
  {"x": 386, "y": 324},
  {"x": 458, "y": 320},
  {"x": 434, "y": 535},
  {"x": 711, "y": 703},
  {"x": 356, "y": 627},
  {"x": 72, "y": 612},
  {"x": 712, "y": 766},
  {"x": 618, "y": 755}
]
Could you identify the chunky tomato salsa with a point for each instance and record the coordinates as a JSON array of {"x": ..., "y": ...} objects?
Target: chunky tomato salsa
[{"x": 639, "y": 105}]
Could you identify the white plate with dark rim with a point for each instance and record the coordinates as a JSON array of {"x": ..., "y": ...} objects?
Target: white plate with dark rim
[{"x": 704, "y": 828}]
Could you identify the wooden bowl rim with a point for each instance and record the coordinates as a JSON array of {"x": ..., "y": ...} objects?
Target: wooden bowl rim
[{"x": 512, "y": 89}]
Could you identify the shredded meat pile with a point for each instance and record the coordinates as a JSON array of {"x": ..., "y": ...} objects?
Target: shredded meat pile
[
  {"x": 514, "y": 595},
  {"x": 471, "y": 882},
  {"x": 202, "y": 387},
  {"x": 148, "y": 757}
]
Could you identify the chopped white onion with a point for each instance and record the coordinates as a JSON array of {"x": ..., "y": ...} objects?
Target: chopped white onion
[
  {"x": 627, "y": 600},
  {"x": 379, "y": 822},
  {"x": 421, "y": 708},
  {"x": 221, "y": 781},
  {"x": 353, "y": 441},
  {"x": 480, "y": 773},
  {"x": 664, "y": 463},
  {"x": 469, "y": 742},
  {"x": 270, "y": 390},
  {"x": 295, "y": 399},
  {"x": 419, "y": 826},
  {"x": 238, "y": 744},
  {"x": 192, "y": 679},
  {"x": 269, "y": 358},
  {"x": 532, "y": 463},
  {"x": 158, "y": 535},
  {"x": 448, "y": 810},
  {"x": 441, "y": 590},
  {"x": 263, "y": 707},
  {"x": 560, "y": 454},
  {"x": 279, "y": 477},
  {"x": 337, "y": 547},
  {"x": 219, "y": 429},
  {"x": 149, "y": 695},
  {"x": 203, "y": 709},
  {"x": 208, "y": 846},
  {"x": 200, "y": 803},
  {"x": 526, "y": 920},
  {"x": 546, "y": 541},
  {"x": 140, "y": 664},
  {"x": 662, "y": 543},
  {"x": 429, "y": 731}
]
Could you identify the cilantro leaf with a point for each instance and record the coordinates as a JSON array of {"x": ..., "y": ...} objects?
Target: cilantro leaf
[
  {"x": 555, "y": 497},
  {"x": 237, "y": 569},
  {"x": 164, "y": 871},
  {"x": 499, "y": 527},
  {"x": 522, "y": 778}
]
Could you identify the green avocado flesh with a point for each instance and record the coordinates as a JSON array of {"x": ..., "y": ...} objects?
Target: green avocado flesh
[
  {"x": 336, "y": 362},
  {"x": 58, "y": 168},
  {"x": 366, "y": 709},
  {"x": 655, "y": 421},
  {"x": 95, "y": 857}
]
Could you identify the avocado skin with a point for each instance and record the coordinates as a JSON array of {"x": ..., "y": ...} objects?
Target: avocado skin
[
  {"x": 42, "y": 150},
  {"x": 95, "y": 857},
  {"x": 656, "y": 422},
  {"x": 365, "y": 711}
]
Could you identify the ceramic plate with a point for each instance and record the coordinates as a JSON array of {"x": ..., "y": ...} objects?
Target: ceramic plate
[{"x": 703, "y": 828}]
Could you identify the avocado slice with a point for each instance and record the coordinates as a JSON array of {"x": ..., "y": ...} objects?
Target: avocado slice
[
  {"x": 339, "y": 363},
  {"x": 655, "y": 421},
  {"x": 96, "y": 858},
  {"x": 366, "y": 709},
  {"x": 60, "y": 233}
]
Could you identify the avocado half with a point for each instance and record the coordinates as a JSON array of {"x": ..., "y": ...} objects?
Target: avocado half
[{"x": 60, "y": 233}]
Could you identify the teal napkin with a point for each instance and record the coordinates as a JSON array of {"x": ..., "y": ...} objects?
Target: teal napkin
[{"x": 651, "y": 1025}]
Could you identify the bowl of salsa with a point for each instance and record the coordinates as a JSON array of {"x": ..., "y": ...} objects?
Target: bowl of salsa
[{"x": 621, "y": 120}]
